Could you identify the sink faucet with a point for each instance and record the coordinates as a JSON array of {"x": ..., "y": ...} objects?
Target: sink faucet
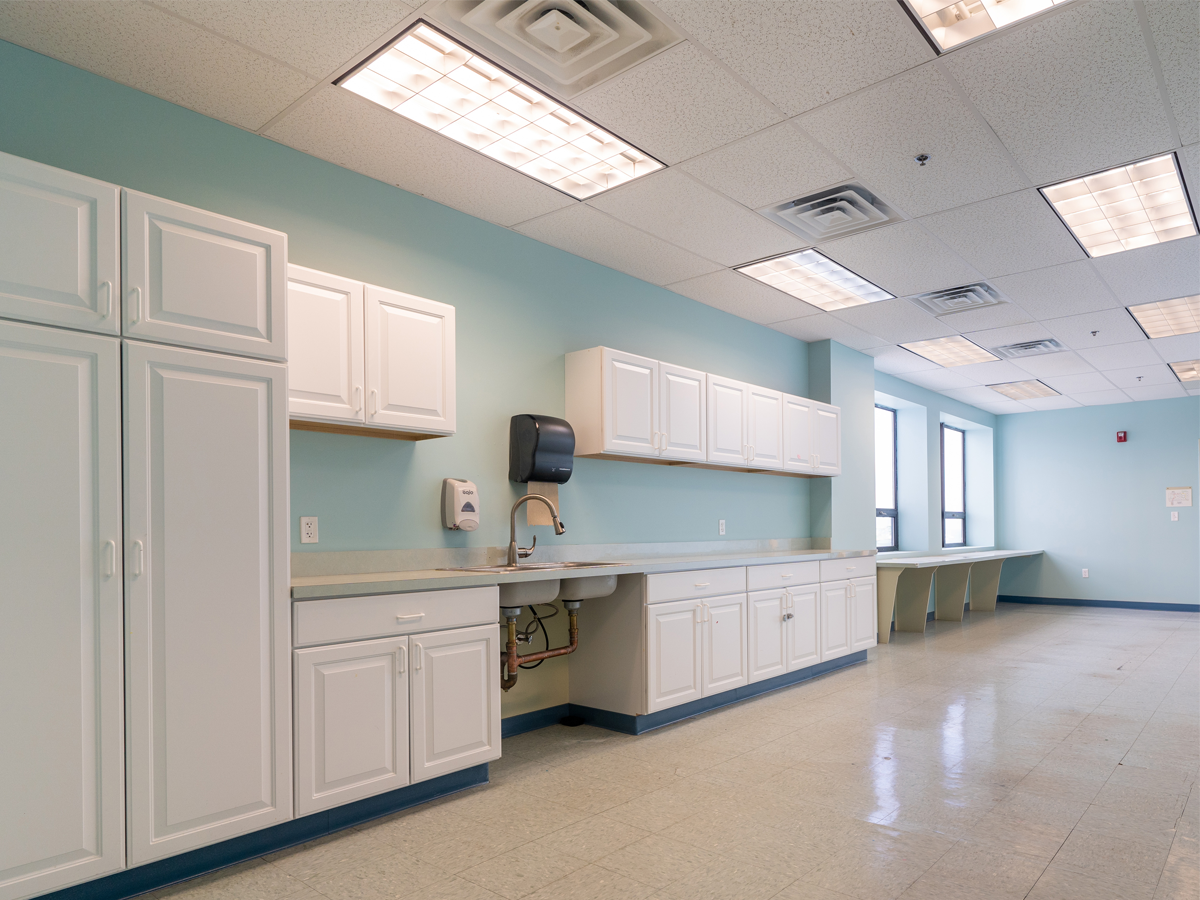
[{"x": 515, "y": 552}]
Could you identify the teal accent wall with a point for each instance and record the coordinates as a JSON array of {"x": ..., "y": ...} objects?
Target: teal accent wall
[
  {"x": 520, "y": 306},
  {"x": 1070, "y": 489}
]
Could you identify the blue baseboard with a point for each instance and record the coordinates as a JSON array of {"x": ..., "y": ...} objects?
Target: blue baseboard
[
  {"x": 532, "y": 721},
  {"x": 1116, "y": 604},
  {"x": 156, "y": 875}
]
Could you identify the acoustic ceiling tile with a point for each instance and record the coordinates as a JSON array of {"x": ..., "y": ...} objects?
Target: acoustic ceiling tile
[
  {"x": 1078, "y": 384},
  {"x": 1141, "y": 376},
  {"x": 1053, "y": 364},
  {"x": 779, "y": 163},
  {"x": 1058, "y": 291},
  {"x": 1045, "y": 403},
  {"x": 1111, "y": 326},
  {"x": 903, "y": 259},
  {"x": 775, "y": 45},
  {"x": 1002, "y": 407},
  {"x": 825, "y": 327},
  {"x": 1189, "y": 160},
  {"x": 1003, "y": 315},
  {"x": 899, "y": 321},
  {"x": 1014, "y": 334},
  {"x": 1177, "y": 347},
  {"x": 878, "y": 131},
  {"x": 1101, "y": 398},
  {"x": 1122, "y": 356},
  {"x": 897, "y": 361},
  {"x": 991, "y": 372},
  {"x": 974, "y": 395},
  {"x": 589, "y": 233},
  {"x": 939, "y": 379},
  {"x": 1176, "y": 30},
  {"x": 1156, "y": 391},
  {"x": 677, "y": 105},
  {"x": 679, "y": 209},
  {"x": 1003, "y": 235},
  {"x": 742, "y": 296},
  {"x": 1068, "y": 93},
  {"x": 1159, "y": 272}
]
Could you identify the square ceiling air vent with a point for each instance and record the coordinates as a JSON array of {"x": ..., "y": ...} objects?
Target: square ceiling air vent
[
  {"x": 959, "y": 299},
  {"x": 832, "y": 213},
  {"x": 1028, "y": 348},
  {"x": 566, "y": 45}
]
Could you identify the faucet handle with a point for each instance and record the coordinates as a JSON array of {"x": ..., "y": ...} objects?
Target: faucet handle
[{"x": 525, "y": 552}]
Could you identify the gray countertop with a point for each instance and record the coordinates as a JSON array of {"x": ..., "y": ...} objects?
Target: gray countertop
[{"x": 317, "y": 587}]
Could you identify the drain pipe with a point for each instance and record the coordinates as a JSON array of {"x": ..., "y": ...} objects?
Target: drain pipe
[{"x": 510, "y": 659}]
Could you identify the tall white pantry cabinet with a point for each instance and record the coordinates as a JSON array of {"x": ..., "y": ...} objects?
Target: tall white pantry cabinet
[{"x": 144, "y": 366}]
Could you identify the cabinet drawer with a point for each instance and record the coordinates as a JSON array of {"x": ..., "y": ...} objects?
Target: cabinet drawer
[
  {"x": 763, "y": 578},
  {"x": 701, "y": 583},
  {"x": 851, "y": 567},
  {"x": 360, "y": 618}
]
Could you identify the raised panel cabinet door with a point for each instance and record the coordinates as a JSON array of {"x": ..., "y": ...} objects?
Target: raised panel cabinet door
[
  {"x": 455, "y": 700},
  {"x": 60, "y": 255},
  {"x": 726, "y": 421},
  {"x": 673, "y": 653},
  {"x": 864, "y": 614},
  {"x": 197, "y": 279},
  {"x": 207, "y": 661},
  {"x": 835, "y": 620},
  {"x": 410, "y": 362},
  {"x": 62, "y": 804},
  {"x": 629, "y": 388},
  {"x": 767, "y": 612},
  {"x": 351, "y": 722},
  {"x": 764, "y": 427},
  {"x": 797, "y": 434},
  {"x": 326, "y": 374},
  {"x": 682, "y": 406},
  {"x": 804, "y": 626},
  {"x": 724, "y": 644},
  {"x": 827, "y": 439}
]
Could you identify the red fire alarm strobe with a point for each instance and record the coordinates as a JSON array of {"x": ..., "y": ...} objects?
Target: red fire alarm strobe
[{"x": 1120, "y": 437}]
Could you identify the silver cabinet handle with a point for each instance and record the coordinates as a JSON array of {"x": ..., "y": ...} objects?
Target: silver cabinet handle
[
  {"x": 135, "y": 315},
  {"x": 787, "y": 616},
  {"x": 413, "y": 616},
  {"x": 139, "y": 550},
  {"x": 110, "y": 559}
]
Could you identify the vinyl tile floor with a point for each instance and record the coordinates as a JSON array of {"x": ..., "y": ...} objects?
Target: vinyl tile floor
[{"x": 1038, "y": 752}]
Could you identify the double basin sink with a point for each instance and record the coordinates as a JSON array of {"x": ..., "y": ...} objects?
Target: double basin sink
[{"x": 546, "y": 590}]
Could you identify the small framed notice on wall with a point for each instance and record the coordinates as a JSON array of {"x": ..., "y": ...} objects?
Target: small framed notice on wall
[{"x": 1179, "y": 496}]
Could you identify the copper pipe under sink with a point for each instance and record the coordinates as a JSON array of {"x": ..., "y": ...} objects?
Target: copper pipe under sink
[{"x": 510, "y": 659}]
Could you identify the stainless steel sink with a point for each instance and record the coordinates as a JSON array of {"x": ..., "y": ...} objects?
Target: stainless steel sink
[{"x": 540, "y": 566}]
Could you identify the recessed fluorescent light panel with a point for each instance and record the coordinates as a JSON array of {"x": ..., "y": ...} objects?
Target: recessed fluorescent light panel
[
  {"x": 436, "y": 82},
  {"x": 1024, "y": 390},
  {"x": 1168, "y": 317},
  {"x": 1126, "y": 207},
  {"x": 951, "y": 24},
  {"x": 835, "y": 212},
  {"x": 1187, "y": 371},
  {"x": 959, "y": 299},
  {"x": 950, "y": 351},
  {"x": 816, "y": 280},
  {"x": 1029, "y": 348}
]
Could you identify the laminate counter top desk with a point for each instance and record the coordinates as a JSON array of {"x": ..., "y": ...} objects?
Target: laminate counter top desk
[{"x": 904, "y": 581}]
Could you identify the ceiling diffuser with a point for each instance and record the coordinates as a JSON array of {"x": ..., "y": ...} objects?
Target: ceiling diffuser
[
  {"x": 959, "y": 299},
  {"x": 832, "y": 213},
  {"x": 1028, "y": 348}
]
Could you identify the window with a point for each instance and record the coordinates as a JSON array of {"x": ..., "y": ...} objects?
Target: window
[
  {"x": 886, "y": 532},
  {"x": 954, "y": 487}
]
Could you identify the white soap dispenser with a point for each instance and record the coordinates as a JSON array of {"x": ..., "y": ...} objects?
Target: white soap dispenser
[{"x": 460, "y": 504}]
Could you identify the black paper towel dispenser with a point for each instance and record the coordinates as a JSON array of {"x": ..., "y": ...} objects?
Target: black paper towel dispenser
[{"x": 540, "y": 448}]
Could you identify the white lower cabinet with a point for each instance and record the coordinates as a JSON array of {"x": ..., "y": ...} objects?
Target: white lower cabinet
[
  {"x": 351, "y": 722},
  {"x": 724, "y": 637},
  {"x": 803, "y": 629},
  {"x": 695, "y": 648},
  {"x": 864, "y": 620},
  {"x": 784, "y": 630},
  {"x": 835, "y": 619}
]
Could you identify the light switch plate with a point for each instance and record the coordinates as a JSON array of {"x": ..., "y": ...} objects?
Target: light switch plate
[
  {"x": 1174, "y": 516},
  {"x": 308, "y": 529},
  {"x": 720, "y": 526},
  {"x": 1085, "y": 574}
]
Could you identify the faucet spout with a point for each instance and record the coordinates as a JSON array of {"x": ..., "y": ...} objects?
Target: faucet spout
[{"x": 514, "y": 552}]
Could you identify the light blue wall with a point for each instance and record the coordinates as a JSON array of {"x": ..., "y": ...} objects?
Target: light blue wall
[
  {"x": 521, "y": 305},
  {"x": 1070, "y": 489}
]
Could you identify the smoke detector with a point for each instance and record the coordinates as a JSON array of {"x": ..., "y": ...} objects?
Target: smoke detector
[
  {"x": 959, "y": 299},
  {"x": 832, "y": 213},
  {"x": 1028, "y": 348}
]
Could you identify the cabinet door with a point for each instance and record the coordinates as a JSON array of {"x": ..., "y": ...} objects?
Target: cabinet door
[
  {"x": 827, "y": 439},
  {"x": 835, "y": 619},
  {"x": 726, "y": 421},
  {"x": 455, "y": 700},
  {"x": 673, "y": 653},
  {"x": 766, "y": 611},
  {"x": 764, "y": 427},
  {"x": 325, "y": 347},
  {"x": 61, "y": 796},
  {"x": 864, "y": 614},
  {"x": 629, "y": 387},
  {"x": 804, "y": 626},
  {"x": 59, "y": 247},
  {"x": 351, "y": 722},
  {"x": 410, "y": 362},
  {"x": 681, "y": 412},
  {"x": 197, "y": 279},
  {"x": 797, "y": 434},
  {"x": 724, "y": 643},
  {"x": 208, "y": 680}
]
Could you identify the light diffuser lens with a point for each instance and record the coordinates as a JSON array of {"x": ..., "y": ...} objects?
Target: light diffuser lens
[
  {"x": 951, "y": 24},
  {"x": 1126, "y": 207},
  {"x": 950, "y": 351},
  {"x": 1168, "y": 317},
  {"x": 1187, "y": 371},
  {"x": 438, "y": 83},
  {"x": 1024, "y": 390},
  {"x": 816, "y": 279}
]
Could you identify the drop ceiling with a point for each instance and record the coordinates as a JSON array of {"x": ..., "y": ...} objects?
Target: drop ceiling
[{"x": 754, "y": 104}]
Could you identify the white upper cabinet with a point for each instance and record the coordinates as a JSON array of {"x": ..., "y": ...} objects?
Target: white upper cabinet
[
  {"x": 326, "y": 372},
  {"x": 797, "y": 433},
  {"x": 682, "y": 405},
  {"x": 62, "y": 801},
  {"x": 197, "y": 279},
  {"x": 727, "y": 403},
  {"x": 827, "y": 439},
  {"x": 59, "y": 247},
  {"x": 410, "y": 362},
  {"x": 764, "y": 427},
  {"x": 630, "y": 392}
]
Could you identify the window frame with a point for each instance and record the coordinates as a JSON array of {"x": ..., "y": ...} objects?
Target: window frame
[
  {"x": 893, "y": 514},
  {"x": 954, "y": 515}
]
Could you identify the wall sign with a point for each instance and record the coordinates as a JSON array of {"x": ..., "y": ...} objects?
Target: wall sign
[{"x": 1179, "y": 496}]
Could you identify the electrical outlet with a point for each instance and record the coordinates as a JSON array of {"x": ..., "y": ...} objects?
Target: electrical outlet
[
  {"x": 1085, "y": 574},
  {"x": 308, "y": 529},
  {"x": 720, "y": 526},
  {"x": 1174, "y": 515}
]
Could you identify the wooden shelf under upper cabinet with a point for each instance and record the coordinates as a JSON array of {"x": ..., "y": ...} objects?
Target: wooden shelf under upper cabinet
[{"x": 360, "y": 430}]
